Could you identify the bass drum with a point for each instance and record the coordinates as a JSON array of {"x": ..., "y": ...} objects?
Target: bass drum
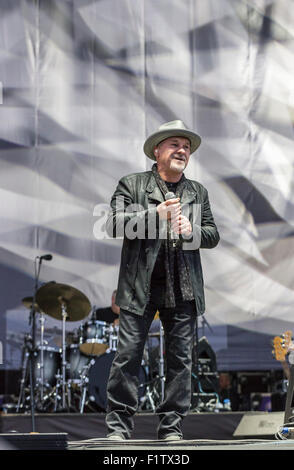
[{"x": 98, "y": 378}]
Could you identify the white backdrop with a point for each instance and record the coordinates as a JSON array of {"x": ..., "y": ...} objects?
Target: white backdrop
[{"x": 84, "y": 82}]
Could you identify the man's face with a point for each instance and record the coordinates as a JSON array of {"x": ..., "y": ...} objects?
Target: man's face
[{"x": 173, "y": 154}]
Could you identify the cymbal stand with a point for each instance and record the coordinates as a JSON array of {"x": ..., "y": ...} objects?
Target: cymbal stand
[
  {"x": 61, "y": 378},
  {"x": 64, "y": 315},
  {"x": 57, "y": 396},
  {"x": 42, "y": 323}
]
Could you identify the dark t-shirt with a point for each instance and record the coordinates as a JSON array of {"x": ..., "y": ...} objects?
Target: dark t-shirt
[
  {"x": 105, "y": 314},
  {"x": 158, "y": 278},
  {"x": 159, "y": 272}
]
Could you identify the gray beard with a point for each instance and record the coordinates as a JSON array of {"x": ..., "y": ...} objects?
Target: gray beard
[{"x": 177, "y": 166}]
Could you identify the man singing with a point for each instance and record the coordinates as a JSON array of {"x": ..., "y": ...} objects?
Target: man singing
[{"x": 164, "y": 219}]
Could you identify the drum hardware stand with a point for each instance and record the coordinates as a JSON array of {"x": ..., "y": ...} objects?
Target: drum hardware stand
[
  {"x": 152, "y": 395},
  {"x": 84, "y": 384},
  {"x": 64, "y": 315},
  {"x": 65, "y": 392},
  {"x": 113, "y": 338},
  {"x": 71, "y": 406},
  {"x": 149, "y": 396},
  {"x": 42, "y": 322},
  {"x": 25, "y": 358},
  {"x": 61, "y": 379},
  {"x": 57, "y": 396}
]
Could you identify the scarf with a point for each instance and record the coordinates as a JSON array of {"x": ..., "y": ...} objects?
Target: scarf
[{"x": 173, "y": 252}]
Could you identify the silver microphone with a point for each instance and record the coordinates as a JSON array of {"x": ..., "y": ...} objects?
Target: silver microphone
[{"x": 170, "y": 195}]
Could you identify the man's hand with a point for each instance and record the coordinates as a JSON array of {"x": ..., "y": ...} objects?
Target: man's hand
[
  {"x": 169, "y": 209},
  {"x": 181, "y": 225}
]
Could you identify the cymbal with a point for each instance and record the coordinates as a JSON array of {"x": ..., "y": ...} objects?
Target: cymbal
[
  {"x": 28, "y": 302},
  {"x": 52, "y": 295}
]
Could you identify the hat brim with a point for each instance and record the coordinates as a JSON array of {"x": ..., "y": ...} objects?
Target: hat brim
[{"x": 154, "y": 139}]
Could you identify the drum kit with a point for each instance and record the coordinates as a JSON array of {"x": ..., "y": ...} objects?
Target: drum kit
[{"x": 74, "y": 376}]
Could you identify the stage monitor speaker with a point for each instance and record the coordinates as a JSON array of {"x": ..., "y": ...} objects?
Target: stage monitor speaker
[
  {"x": 33, "y": 441},
  {"x": 259, "y": 425}
]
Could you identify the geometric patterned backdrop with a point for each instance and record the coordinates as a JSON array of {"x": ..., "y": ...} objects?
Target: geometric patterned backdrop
[{"x": 84, "y": 82}]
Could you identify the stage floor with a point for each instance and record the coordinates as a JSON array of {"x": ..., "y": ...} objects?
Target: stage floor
[
  {"x": 184, "y": 445},
  {"x": 202, "y": 431},
  {"x": 86, "y": 426}
]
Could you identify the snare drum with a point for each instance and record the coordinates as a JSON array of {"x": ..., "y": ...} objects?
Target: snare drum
[{"x": 93, "y": 338}]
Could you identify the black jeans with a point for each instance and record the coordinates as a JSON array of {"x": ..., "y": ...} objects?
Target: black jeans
[{"x": 122, "y": 390}]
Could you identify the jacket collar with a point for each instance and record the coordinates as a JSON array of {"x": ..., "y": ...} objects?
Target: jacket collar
[{"x": 154, "y": 193}]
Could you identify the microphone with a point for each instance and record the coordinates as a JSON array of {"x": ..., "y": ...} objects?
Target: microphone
[
  {"x": 170, "y": 195},
  {"x": 46, "y": 257}
]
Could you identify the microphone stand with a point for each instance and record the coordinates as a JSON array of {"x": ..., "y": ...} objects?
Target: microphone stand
[{"x": 33, "y": 343}]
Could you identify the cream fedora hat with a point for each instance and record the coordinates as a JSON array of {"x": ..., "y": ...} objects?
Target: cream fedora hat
[{"x": 170, "y": 129}]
